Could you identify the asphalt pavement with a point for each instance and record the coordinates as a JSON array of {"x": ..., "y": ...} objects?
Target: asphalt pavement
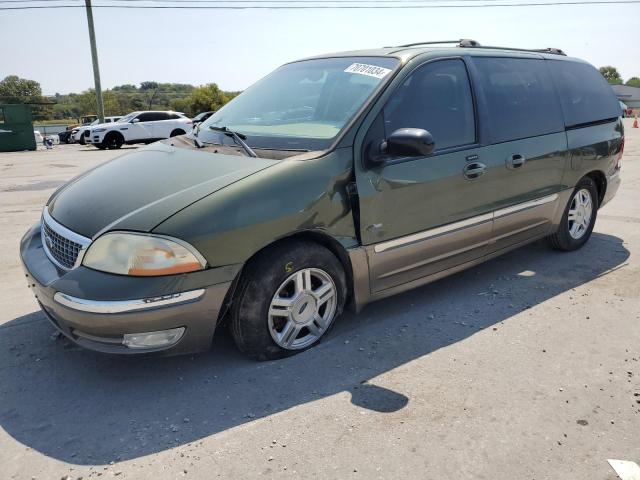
[{"x": 526, "y": 367}]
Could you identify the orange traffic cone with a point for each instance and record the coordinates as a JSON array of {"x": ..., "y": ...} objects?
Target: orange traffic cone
[{"x": 635, "y": 122}]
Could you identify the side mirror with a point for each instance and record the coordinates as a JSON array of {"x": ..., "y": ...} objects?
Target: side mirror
[
  {"x": 135, "y": 120},
  {"x": 408, "y": 142}
]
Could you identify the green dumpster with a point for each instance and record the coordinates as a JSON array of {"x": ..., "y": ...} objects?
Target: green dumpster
[{"x": 16, "y": 128}]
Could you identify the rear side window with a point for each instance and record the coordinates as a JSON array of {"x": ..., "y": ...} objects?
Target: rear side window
[
  {"x": 1, "y": 115},
  {"x": 152, "y": 116},
  {"x": 585, "y": 95},
  {"x": 436, "y": 97},
  {"x": 520, "y": 97}
]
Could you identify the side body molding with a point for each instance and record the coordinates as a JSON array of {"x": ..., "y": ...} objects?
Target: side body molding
[{"x": 393, "y": 266}]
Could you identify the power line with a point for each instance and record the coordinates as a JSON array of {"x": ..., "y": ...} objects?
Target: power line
[
  {"x": 252, "y": 1},
  {"x": 324, "y": 7}
]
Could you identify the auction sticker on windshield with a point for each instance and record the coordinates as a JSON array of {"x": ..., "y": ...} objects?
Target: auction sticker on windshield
[{"x": 369, "y": 70}]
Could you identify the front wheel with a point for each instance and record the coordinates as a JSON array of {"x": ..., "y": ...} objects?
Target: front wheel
[
  {"x": 113, "y": 141},
  {"x": 287, "y": 300},
  {"x": 579, "y": 217}
]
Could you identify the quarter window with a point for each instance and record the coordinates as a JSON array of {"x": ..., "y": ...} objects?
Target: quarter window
[
  {"x": 436, "y": 97},
  {"x": 585, "y": 95},
  {"x": 520, "y": 98}
]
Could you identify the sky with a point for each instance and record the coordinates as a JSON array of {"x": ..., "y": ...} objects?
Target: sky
[{"x": 236, "y": 48}]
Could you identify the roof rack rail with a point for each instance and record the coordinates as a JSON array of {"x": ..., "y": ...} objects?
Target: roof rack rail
[
  {"x": 468, "y": 43},
  {"x": 554, "y": 51},
  {"x": 463, "y": 42}
]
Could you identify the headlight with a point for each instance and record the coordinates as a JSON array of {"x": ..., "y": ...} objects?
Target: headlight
[
  {"x": 98, "y": 130},
  {"x": 75, "y": 130},
  {"x": 142, "y": 255}
]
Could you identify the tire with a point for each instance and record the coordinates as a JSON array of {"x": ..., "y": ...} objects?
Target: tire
[
  {"x": 177, "y": 132},
  {"x": 81, "y": 141},
  {"x": 100, "y": 146},
  {"x": 281, "y": 272},
  {"x": 567, "y": 237},
  {"x": 113, "y": 141}
]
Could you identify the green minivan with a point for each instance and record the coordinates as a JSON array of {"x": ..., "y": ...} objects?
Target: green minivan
[{"x": 334, "y": 181}]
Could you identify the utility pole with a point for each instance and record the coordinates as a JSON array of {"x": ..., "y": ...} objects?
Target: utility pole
[{"x": 94, "y": 58}]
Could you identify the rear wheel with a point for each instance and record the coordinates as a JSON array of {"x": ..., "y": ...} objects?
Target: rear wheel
[
  {"x": 287, "y": 300},
  {"x": 113, "y": 140},
  {"x": 579, "y": 217}
]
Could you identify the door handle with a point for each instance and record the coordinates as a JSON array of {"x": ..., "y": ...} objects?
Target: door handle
[
  {"x": 515, "y": 161},
  {"x": 473, "y": 170}
]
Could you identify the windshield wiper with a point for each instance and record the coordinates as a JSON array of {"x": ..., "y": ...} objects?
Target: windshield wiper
[{"x": 237, "y": 137}]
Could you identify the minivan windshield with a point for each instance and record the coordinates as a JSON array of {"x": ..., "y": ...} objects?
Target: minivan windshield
[{"x": 301, "y": 105}]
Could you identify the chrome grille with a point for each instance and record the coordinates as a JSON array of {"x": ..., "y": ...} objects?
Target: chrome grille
[{"x": 63, "y": 246}]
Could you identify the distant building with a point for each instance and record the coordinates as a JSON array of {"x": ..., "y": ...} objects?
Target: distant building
[{"x": 628, "y": 95}]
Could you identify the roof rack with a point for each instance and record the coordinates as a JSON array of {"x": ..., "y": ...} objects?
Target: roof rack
[
  {"x": 468, "y": 43},
  {"x": 554, "y": 51},
  {"x": 463, "y": 42}
]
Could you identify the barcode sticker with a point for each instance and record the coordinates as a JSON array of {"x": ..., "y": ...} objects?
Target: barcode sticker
[{"x": 369, "y": 70}]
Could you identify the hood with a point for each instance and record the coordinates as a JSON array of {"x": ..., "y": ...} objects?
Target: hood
[
  {"x": 139, "y": 190},
  {"x": 98, "y": 125}
]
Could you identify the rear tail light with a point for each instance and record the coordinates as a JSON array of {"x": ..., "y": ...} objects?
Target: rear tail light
[{"x": 619, "y": 156}]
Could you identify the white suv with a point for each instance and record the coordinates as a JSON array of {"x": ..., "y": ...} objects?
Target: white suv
[
  {"x": 139, "y": 127},
  {"x": 79, "y": 134}
]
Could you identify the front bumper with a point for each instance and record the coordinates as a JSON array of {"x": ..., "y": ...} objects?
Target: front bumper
[
  {"x": 98, "y": 311},
  {"x": 95, "y": 138}
]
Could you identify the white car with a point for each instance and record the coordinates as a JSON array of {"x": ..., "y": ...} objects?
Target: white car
[
  {"x": 78, "y": 134},
  {"x": 139, "y": 127}
]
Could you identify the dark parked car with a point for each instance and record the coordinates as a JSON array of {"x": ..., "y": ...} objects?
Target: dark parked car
[
  {"x": 65, "y": 136},
  {"x": 201, "y": 117},
  {"x": 336, "y": 180}
]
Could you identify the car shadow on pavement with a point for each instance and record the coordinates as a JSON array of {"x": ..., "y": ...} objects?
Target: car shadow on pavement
[{"x": 86, "y": 408}]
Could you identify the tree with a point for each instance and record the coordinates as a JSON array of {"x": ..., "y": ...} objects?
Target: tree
[
  {"x": 14, "y": 89},
  {"x": 611, "y": 75},
  {"x": 633, "y": 82},
  {"x": 181, "y": 105},
  {"x": 148, "y": 85},
  {"x": 206, "y": 98}
]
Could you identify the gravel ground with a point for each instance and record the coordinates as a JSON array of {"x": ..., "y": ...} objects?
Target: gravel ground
[{"x": 527, "y": 367}]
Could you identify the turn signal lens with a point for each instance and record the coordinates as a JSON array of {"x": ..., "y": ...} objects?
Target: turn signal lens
[{"x": 142, "y": 255}]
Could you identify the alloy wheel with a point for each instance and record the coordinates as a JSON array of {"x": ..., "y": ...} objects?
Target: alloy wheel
[
  {"x": 580, "y": 213},
  {"x": 302, "y": 309}
]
